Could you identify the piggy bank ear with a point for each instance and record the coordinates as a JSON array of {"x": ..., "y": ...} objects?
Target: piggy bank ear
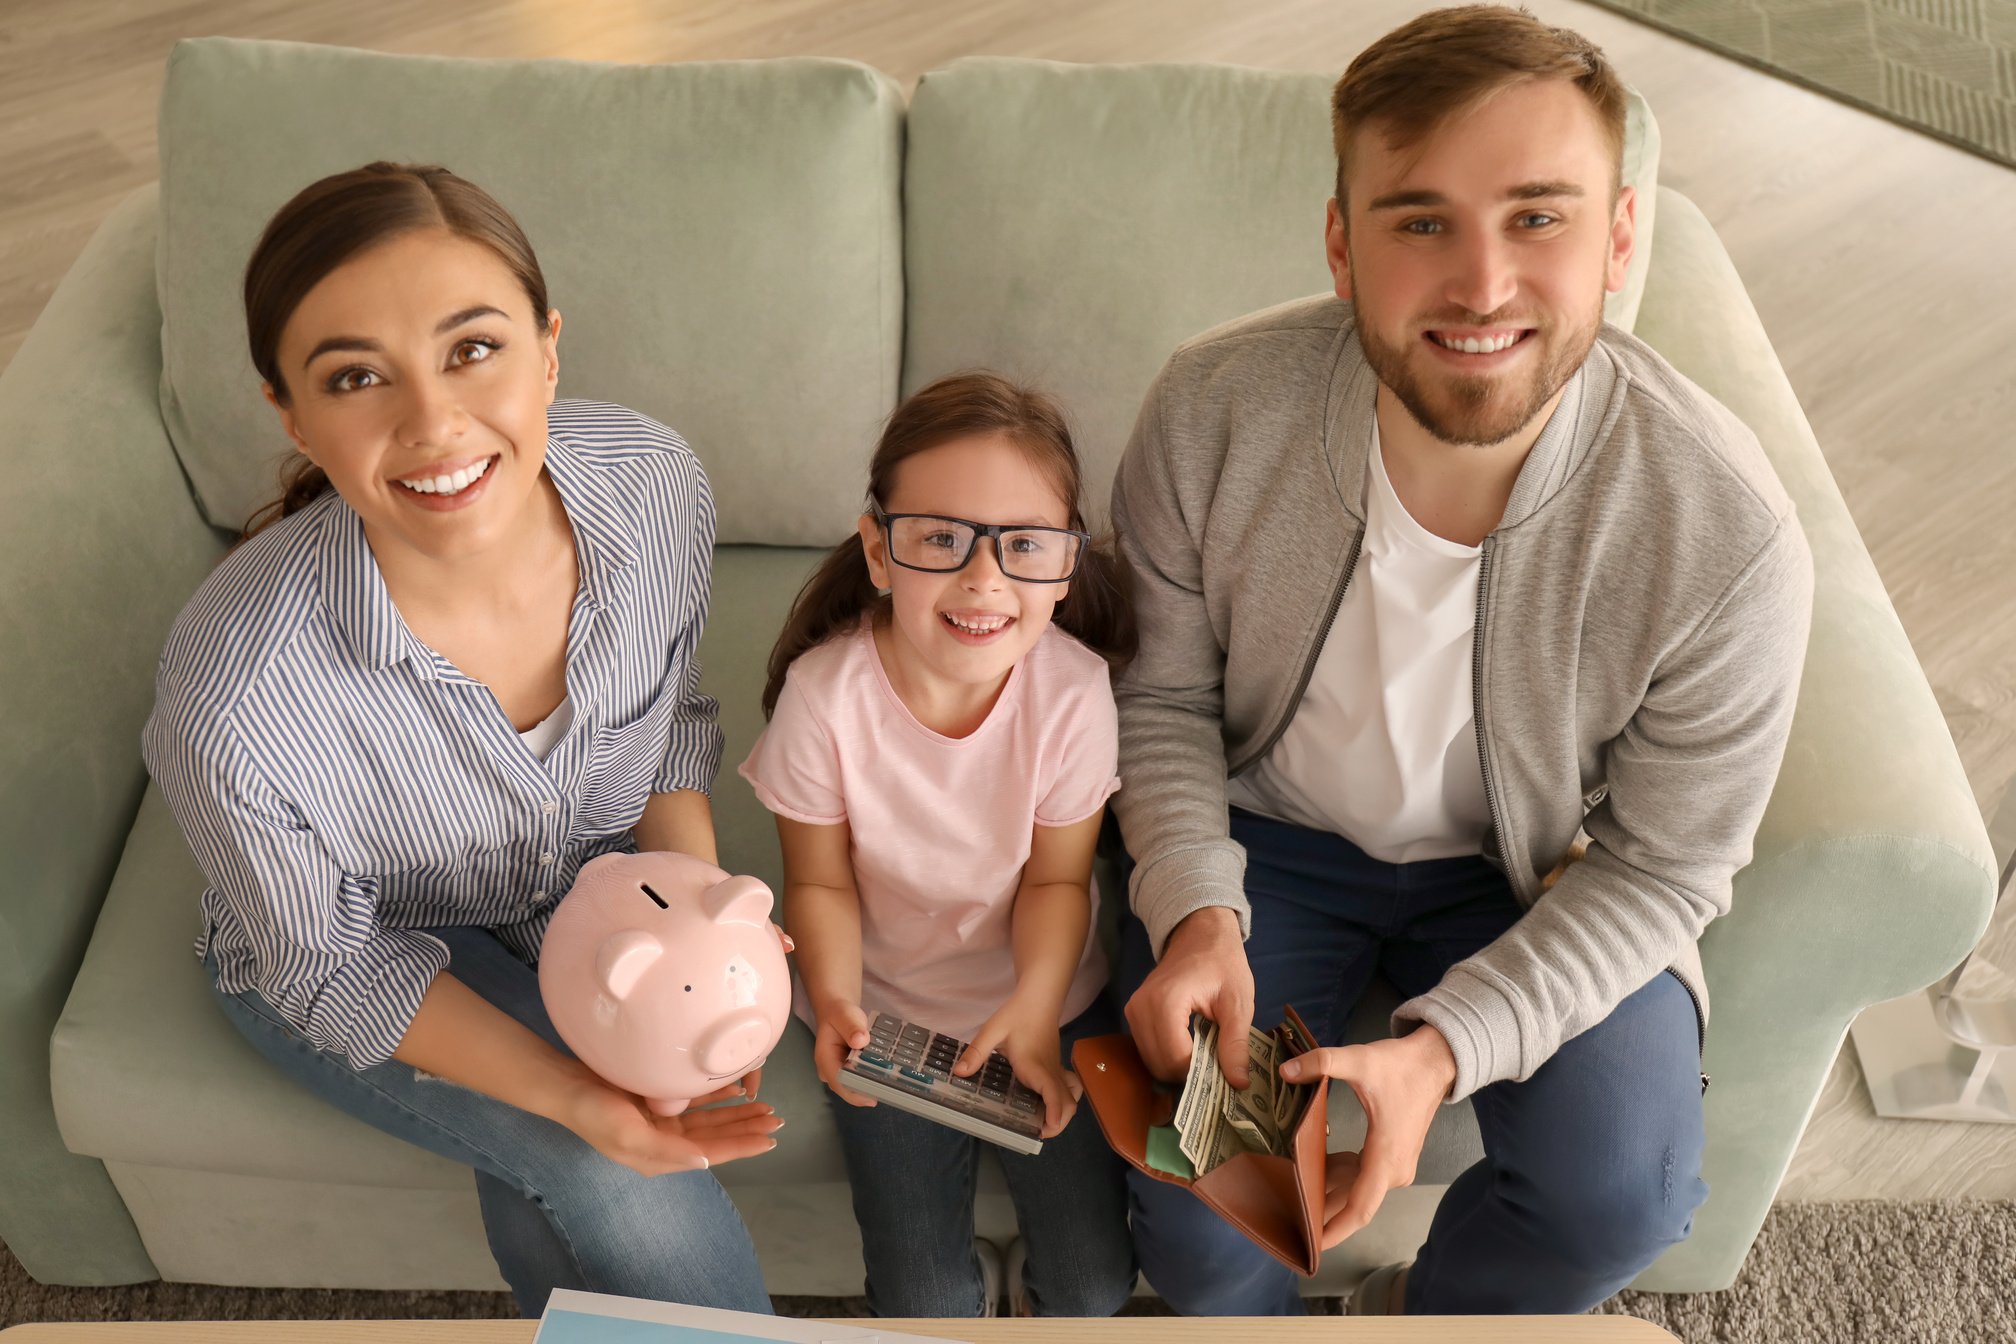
[
  {"x": 622, "y": 960},
  {"x": 739, "y": 900}
]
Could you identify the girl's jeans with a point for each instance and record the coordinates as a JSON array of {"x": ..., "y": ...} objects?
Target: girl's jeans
[{"x": 913, "y": 1197}]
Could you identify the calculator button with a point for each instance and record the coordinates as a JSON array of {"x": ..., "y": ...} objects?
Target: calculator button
[
  {"x": 967, "y": 1084},
  {"x": 875, "y": 1061},
  {"x": 1027, "y": 1102},
  {"x": 914, "y": 1076},
  {"x": 993, "y": 1093}
]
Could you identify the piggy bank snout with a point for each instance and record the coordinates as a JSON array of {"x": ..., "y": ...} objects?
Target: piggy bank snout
[{"x": 735, "y": 1043}]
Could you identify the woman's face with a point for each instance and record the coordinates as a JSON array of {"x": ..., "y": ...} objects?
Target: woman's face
[{"x": 418, "y": 381}]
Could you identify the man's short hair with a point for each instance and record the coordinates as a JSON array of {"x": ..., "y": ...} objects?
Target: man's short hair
[{"x": 1445, "y": 62}]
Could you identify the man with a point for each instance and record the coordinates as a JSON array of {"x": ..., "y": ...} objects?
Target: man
[{"x": 1433, "y": 577}]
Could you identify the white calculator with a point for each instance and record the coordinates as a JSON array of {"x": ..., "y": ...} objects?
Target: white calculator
[{"x": 910, "y": 1067}]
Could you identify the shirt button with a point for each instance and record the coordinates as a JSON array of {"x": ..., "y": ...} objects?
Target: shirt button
[
  {"x": 547, "y": 857},
  {"x": 549, "y": 808},
  {"x": 538, "y": 896}
]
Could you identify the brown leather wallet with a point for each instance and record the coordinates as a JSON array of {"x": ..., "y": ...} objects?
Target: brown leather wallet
[{"x": 1276, "y": 1202}]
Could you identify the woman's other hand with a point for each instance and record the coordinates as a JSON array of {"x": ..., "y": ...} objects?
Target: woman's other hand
[{"x": 621, "y": 1128}]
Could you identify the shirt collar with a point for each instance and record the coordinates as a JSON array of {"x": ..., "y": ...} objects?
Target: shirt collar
[
  {"x": 354, "y": 591},
  {"x": 1571, "y": 431},
  {"x": 602, "y": 544},
  {"x": 353, "y": 588}
]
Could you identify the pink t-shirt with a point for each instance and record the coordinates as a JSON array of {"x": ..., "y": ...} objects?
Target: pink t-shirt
[{"x": 941, "y": 826}]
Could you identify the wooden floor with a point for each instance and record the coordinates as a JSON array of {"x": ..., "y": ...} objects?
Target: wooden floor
[{"x": 1879, "y": 260}]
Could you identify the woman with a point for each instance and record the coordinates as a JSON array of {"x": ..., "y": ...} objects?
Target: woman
[{"x": 451, "y": 665}]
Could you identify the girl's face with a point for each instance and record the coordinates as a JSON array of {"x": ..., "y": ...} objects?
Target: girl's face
[
  {"x": 964, "y": 631},
  {"x": 419, "y": 382}
]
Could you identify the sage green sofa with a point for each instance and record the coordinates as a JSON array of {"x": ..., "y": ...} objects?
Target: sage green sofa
[{"x": 764, "y": 255}]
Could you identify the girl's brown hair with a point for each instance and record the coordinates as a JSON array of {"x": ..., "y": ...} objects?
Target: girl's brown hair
[
  {"x": 333, "y": 220},
  {"x": 1096, "y": 610}
]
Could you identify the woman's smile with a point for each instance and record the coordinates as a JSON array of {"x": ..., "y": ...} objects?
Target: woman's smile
[{"x": 448, "y": 486}]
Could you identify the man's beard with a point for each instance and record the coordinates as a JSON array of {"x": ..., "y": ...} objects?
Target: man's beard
[{"x": 1477, "y": 411}]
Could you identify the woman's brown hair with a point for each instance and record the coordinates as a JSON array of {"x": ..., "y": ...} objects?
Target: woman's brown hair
[
  {"x": 333, "y": 220},
  {"x": 1096, "y": 610}
]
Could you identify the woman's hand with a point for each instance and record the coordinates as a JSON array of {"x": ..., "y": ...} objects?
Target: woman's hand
[
  {"x": 620, "y": 1127},
  {"x": 842, "y": 1027},
  {"x": 1025, "y": 1030}
]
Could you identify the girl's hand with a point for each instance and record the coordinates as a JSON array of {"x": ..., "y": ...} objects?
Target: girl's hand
[
  {"x": 1027, "y": 1034},
  {"x": 842, "y": 1027},
  {"x": 617, "y": 1125}
]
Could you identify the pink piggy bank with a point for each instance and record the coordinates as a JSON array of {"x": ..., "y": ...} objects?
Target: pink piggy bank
[{"x": 665, "y": 975}]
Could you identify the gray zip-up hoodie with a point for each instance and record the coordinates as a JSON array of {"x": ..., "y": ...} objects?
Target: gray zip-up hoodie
[{"x": 1642, "y": 614}]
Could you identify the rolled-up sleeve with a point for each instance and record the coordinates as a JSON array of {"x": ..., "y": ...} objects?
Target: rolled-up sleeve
[
  {"x": 320, "y": 955},
  {"x": 693, "y": 746}
]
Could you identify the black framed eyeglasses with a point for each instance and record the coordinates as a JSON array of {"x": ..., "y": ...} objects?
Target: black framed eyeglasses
[{"x": 937, "y": 544}]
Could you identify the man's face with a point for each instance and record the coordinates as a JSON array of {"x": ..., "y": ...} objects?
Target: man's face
[{"x": 1478, "y": 258}]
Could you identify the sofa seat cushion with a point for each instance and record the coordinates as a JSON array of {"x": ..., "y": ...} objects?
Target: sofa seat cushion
[{"x": 145, "y": 1070}]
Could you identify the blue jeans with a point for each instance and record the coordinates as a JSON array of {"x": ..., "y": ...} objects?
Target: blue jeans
[
  {"x": 558, "y": 1214},
  {"x": 913, "y": 1184},
  {"x": 1591, "y": 1167}
]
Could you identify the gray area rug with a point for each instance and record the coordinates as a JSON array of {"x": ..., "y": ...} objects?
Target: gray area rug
[
  {"x": 1851, "y": 1273},
  {"x": 1945, "y": 67}
]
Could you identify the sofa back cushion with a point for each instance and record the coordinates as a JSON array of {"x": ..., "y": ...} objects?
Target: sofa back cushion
[
  {"x": 1070, "y": 225},
  {"x": 720, "y": 238}
]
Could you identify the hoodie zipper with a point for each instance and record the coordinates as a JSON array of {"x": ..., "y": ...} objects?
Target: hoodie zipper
[
  {"x": 1477, "y": 709},
  {"x": 1491, "y": 795},
  {"x": 1700, "y": 1025},
  {"x": 1315, "y": 653}
]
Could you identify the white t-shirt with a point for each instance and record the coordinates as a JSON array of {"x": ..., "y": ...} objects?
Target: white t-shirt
[
  {"x": 545, "y": 735},
  {"x": 1383, "y": 748}
]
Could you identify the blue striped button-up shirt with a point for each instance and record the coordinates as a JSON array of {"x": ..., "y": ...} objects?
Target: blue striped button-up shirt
[{"x": 344, "y": 787}]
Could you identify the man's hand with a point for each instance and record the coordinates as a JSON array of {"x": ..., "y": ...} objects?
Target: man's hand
[
  {"x": 1203, "y": 970},
  {"x": 1399, "y": 1083}
]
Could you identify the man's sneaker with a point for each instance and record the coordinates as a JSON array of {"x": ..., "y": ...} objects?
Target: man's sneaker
[
  {"x": 1018, "y": 1295},
  {"x": 1378, "y": 1295},
  {"x": 991, "y": 1277}
]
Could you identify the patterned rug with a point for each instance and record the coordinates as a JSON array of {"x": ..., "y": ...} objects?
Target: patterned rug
[
  {"x": 1851, "y": 1273},
  {"x": 1944, "y": 67}
]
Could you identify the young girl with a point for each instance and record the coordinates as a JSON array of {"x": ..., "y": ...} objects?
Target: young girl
[{"x": 939, "y": 756}]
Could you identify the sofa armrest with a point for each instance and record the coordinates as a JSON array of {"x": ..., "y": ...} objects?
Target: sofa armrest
[
  {"x": 101, "y": 545},
  {"x": 1870, "y": 763},
  {"x": 1872, "y": 873}
]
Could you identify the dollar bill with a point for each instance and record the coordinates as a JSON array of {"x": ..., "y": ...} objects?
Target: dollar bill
[
  {"x": 1215, "y": 1121},
  {"x": 1200, "y": 1110}
]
